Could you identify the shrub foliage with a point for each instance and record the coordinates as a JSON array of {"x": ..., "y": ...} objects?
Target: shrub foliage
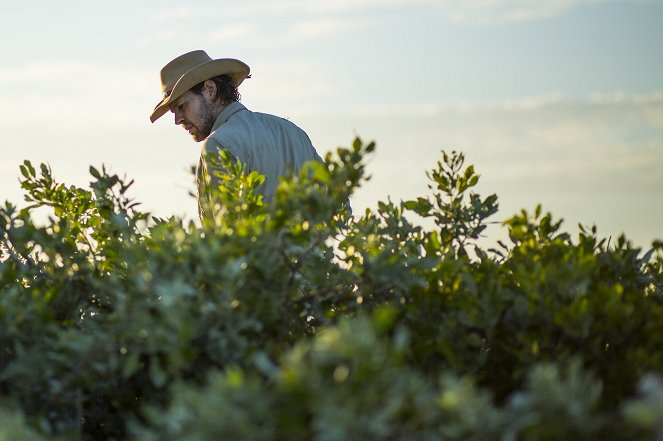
[{"x": 296, "y": 320}]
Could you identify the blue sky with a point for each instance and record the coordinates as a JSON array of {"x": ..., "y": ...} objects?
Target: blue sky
[{"x": 558, "y": 102}]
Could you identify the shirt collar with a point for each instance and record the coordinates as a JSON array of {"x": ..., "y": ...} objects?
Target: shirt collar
[{"x": 226, "y": 113}]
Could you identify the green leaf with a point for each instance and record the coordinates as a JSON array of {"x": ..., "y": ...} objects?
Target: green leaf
[
  {"x": 31, "y": 169},
  {"x": 316, "y": 171},
  {"x": 95, "y": 173}
]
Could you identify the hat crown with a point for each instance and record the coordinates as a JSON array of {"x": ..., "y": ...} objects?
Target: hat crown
[
  {"x": 174, "y": 70},
  {"x": 185, "y": 71}
]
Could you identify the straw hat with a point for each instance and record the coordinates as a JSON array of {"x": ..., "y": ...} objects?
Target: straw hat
[{"x": 189, "y": 69}]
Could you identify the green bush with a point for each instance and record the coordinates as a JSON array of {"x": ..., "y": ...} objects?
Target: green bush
[{"x": 297, "y": 320}]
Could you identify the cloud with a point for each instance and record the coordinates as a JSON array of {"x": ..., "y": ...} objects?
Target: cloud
[
  {"x": 620, "y": 96},
  {"x": 167, "y": 16},
  {"x": 301, "y": 84},
  {"x": 494, "y": 12},
  {"x": 553, "y": 100},
  {"x": 465, "y": 12},
  {"x": 71, "y": 95},
  {"x": 313, "y": 7},
  {"x": 597, "y": 159},
  {"x": 286, "y": 34},
  {"x": 316, "y": 19},
  {"x": 231, "y": 32},
  {"x": 156, "y": 38},
  {"x": 325, "y": 27}
]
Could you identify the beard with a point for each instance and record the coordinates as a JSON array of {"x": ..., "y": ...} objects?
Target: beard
[{"x": 206, "y": 118}]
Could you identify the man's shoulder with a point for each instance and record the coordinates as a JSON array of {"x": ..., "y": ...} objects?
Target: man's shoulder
[
  {"x": 232, "y": 134},
  {"x": 247, "y": 121},
  {"x": 211, "y": 145},
  {"x": 246, "y": 128},
  {"x": 238, "y": 112}
]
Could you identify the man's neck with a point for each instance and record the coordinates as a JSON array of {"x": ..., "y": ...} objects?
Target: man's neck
[{"x": 227, "y": 111}]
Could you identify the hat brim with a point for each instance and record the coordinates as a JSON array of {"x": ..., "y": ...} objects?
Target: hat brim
[{"x": 236, "y": 69}]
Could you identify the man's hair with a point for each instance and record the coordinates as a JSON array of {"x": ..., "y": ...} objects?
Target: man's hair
[{"x": 226, "y": 91}]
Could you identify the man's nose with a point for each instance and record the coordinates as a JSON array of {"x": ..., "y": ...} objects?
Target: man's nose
[{"x": 179, "y": 119}]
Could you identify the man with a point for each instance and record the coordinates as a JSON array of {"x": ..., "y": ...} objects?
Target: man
[{"x": 202, "y": 94}]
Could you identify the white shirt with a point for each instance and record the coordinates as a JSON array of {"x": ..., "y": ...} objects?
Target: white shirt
[{"x": 268, "y": 144}]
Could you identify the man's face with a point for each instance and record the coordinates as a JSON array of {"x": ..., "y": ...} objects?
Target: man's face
[{"x": 196, "y": 113}]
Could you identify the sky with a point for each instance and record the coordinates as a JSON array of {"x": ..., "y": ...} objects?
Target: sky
[{"x": 555, "y": 102}]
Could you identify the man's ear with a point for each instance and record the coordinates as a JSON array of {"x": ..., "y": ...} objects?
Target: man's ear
[{"x": 209, "y": 89}]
